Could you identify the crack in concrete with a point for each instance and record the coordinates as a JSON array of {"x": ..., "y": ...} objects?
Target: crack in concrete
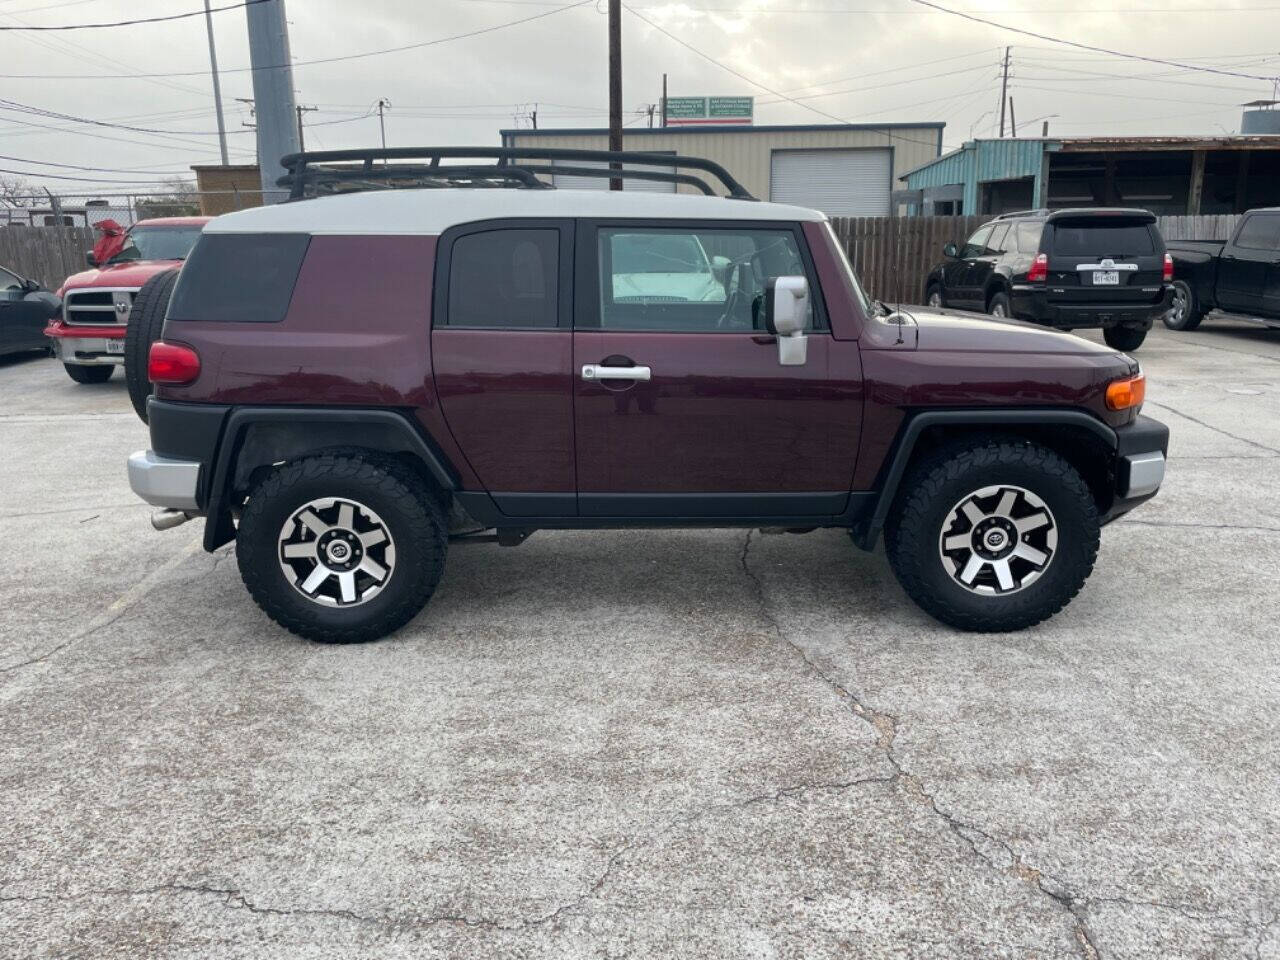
[
  {"x": 886, "y": 727},
  {"x": 1217, "y": 430},
  {"x": 1198, "y": 526}
]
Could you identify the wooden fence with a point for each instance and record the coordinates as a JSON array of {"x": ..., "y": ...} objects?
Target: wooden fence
[
  {"x": 891, "y": 255},
  {"x": 45, "y": 254}
]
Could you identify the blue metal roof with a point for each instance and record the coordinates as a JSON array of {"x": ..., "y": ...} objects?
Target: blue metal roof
[{"x": 981, "y": 161}]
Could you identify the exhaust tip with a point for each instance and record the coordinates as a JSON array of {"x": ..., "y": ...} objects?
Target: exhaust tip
[{"x": 169, "y": 518}]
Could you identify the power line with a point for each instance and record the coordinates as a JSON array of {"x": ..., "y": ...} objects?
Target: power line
[
  {"x": 304, "y": 63},
  {"x": 128, "y": 23},
  {"x": 1086, "y": 46},
  {"x": 83, "y": 169},
  {"x": 59, "y": 176}
]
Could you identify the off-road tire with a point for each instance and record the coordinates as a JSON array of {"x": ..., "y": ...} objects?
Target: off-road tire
[
  {"x": 403, "y": 501},
  {"x": 89, "y": 373},
  {"x": 928, "y": 493},
  {"x": 1123, "y": 338},
  {"x": 146, "y": 319},
  {"x": 1191, "y": 317},
  {"x": 1002, "y": 301},
  {"x": 930, "y": 290}
]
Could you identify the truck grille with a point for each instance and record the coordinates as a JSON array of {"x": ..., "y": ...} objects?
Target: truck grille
[{"x": 98, "y": 308}]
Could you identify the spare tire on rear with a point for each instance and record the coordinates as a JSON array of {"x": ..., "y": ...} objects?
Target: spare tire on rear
[{"x": 146, "y": 319}]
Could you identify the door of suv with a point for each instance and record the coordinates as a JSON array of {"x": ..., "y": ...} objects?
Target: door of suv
[
  {"x": 960, "y": 272},
  {"x": 703, "y": 422},
  {"x": 501, "y": 353}
]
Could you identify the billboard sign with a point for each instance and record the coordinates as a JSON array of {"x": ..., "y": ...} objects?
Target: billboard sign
[{"x": 709, "y": 111}]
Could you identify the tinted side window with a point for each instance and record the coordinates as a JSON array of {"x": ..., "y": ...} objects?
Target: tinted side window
[
  {"x": 977, "y": 244},
  {"x": 703, "y": 281},
  {"x": 1260, "y": 232},
  {"x": 998, "y": 243},
  {"x": 504, "y": 278},
  {"x": 1028, "y": 236},
  {"x": 1084, "y": 239},
  {"x": 239, "y": 277}
]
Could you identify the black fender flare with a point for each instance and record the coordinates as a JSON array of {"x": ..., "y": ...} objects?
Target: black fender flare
[
  {"x": 868, "y": 531},
  {"x": 388, "y": 431}
]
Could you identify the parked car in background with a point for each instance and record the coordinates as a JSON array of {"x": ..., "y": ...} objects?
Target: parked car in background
[
  {"x": 89, "y": 336},
  {"x": 1069, "y": 269},
  {"x": 1239, "y": 276},
  {"x": 350, "y": 386},
  {"x": 25, "y": 309}
]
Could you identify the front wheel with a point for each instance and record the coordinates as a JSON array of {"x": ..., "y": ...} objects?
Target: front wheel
[
  {"x": 89, "y": 373},
  {"x": 1184, "y": 313},
  {"x": 995, "y": 536},
  {"x": 934, "y": 298},
  {"x": 1124, "y": 338},
  {"x": 342, "y": 548}
]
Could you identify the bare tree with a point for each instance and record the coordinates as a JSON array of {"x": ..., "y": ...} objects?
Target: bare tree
[
  {"x": 178, "y": 199},
  {"x": 15, "y": 191}
]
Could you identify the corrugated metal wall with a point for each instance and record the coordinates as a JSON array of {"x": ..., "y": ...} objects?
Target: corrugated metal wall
[{"x": 747, "y": 155}]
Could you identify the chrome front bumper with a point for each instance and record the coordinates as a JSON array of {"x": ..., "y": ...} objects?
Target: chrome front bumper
[
  {"x": 87, "y": 350},
  {"x": 1141, "y": 474},
  {"x": 165, "y": 482}
]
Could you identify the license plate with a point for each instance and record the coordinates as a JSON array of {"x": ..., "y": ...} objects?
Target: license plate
[
  {"x": 115, "y": 346},
  {"x": 1106, "y": 278}
]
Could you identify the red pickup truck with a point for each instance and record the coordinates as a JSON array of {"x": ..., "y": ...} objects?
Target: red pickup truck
[{"x": 88, "y": 335}]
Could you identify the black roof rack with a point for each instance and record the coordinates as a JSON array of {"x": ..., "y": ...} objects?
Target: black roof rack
[{"x": 344, "y": 171}]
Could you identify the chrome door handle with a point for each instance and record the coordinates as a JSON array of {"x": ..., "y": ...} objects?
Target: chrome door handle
[{"x": 595, "y": 371}]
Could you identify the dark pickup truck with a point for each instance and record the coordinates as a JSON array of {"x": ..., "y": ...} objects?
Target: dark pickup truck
[{"x": 1239, "y": 276}]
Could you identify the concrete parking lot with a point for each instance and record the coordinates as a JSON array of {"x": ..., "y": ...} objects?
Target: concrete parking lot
[{"x": 646, "y": 743}]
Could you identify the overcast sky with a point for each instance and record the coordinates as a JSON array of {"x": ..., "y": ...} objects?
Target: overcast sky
[{"x": 854, "y": 60}]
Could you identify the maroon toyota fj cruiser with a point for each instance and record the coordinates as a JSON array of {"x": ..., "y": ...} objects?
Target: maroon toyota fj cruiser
[{"x": 345, "y": 385}]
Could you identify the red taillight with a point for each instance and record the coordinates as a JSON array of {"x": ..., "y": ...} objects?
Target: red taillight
[
  {"x": 1168, "y": 269},
  {"x": 172, "y": 363},
  {"x": 1039, "y": 271}
]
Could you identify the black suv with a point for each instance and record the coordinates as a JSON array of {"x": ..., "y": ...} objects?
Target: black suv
[{"x": 1066, "y": 268}]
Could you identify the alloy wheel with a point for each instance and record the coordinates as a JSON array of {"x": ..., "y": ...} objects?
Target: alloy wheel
[
  {"x": 1178, "y": 311},
  {"x": 935, "y": 299},
  {"x": 997, "y": 309},
  {"x": 336, "y": 552},
  {"x": 998, "y": 540}
]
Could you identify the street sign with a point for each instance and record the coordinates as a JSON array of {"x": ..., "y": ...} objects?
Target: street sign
[{"x": 695, "y": 111}]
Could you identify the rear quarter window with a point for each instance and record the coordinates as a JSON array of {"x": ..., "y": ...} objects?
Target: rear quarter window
[
  {"x": 1097, "y": 238},
  {"x": 239, "y": 278}
]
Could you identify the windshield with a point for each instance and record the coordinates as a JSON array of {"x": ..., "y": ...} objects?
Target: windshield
[
  {"x": 863, "y": 300},
  {"x": 159, "y": 243},
  {"x": 658, "y": 253}
]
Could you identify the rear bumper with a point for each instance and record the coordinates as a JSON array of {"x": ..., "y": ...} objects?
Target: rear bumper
[
  {"x": 87, "y": 345},
  {"x": 1141, "y": 451},
  {"x": 1033, "y": 302},
  {"x": 165, "y": 482}
]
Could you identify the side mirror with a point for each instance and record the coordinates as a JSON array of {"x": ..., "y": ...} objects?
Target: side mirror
[
  {"x": 950, "y": 250},
  {"x": 90, "y": 259},
  {"x": 786, "y": 302}
]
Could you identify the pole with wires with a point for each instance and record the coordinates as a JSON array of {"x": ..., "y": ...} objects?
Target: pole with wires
[
  {"x": 300, "y": 110},
  {"x": 383, "y": 105},
  {"x": 1004, "y": 90},
  {"x": 217, "y": 85},
  {"x": 615, "y": 86}
]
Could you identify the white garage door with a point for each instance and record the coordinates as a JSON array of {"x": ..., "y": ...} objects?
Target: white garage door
[
  {"x": 570, "y": 182},
  {"x": 840, "y": 183}
]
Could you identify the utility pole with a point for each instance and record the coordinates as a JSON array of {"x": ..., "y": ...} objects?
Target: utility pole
[
  {"x": 664, "y": 99},
  {"x": 300, "y": 110},
  {"x": 217, "y": 85},
  {"x": 272, "y": 92},
  {"x": 533, "y": 116},
  {"x": 1004, "y": 89},
  {"x": 383, "y": 105},
  {"x": 650, "y": 108},
  {"x": 1013, "y": 121},
  {"x": 615, "y": 86}
]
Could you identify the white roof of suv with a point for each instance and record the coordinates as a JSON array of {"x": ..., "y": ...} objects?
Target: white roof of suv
[{"x": 432, "y": 211}]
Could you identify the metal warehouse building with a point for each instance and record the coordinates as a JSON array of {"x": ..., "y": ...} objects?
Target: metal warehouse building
[
  {"x": 1169, "y": 176},
  {"x": 841, "y": 169}
]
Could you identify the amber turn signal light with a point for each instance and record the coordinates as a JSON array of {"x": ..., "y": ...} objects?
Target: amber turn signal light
[{"x": 1127, "y": 393}]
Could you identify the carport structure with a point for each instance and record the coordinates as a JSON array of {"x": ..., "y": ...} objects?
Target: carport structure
[{"x": 1166, "y": 175}]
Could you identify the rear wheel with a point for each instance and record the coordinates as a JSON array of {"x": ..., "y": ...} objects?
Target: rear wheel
[
  {"x": 999, "y": 306},
  {"x": 342, "y": 548},
  {"x": 89, "y": 373},
  {"x": 1123, "y": 338},
  {"x": 995, "y": 536},
  {"x": 146, "y": 320},
  {"x": 933, "y": 296},
  {"x": 1184, "y": 313}
]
